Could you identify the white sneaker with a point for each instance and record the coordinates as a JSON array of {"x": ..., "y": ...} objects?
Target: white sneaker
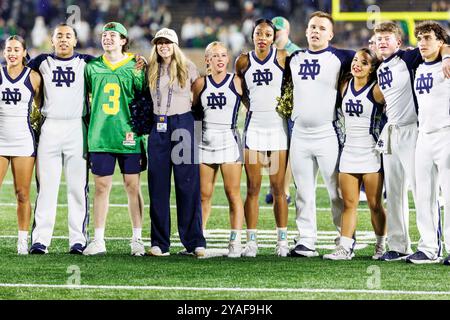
[
  {"x": 22, "y": 247},
  {"x": 379, "y": 251},
  {"x": 234, "y": 250},
  {"x": 157, "y": 252},
  {"x": 251, "y": 249},
  {"x": 137, "y": 248},
  {"x": 340, "y": 253},
  {"x": 198, "y": 252},
  {"x": 96, "y": 247},
  {"x": 282, "y": 249}
]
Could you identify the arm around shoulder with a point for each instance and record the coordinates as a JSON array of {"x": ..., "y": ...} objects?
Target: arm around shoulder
[
  {"x": 378, "y": 95},
  {"x": 241, "y": 65}
]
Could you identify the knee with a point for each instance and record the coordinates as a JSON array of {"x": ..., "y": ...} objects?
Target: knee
[
  {"x": 206, "y": 194},
  {"x": 131, "y": 187},
  {"x": 350, "y": 204},
  {"x": 22, "y": 195},
  {"x": 375, "y": 206},
  {"x": 277, "y": 189},
  {"x": 253, "y": 189},
  {"x": 233, "y": 194},
  {"x": 102, "y": 188}
]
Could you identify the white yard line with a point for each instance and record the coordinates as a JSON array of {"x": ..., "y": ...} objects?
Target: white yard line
[
  {"x": 120, "y": 183},
  {"x": 120, "y": 205},
  {"x": 217, "y": 289}
]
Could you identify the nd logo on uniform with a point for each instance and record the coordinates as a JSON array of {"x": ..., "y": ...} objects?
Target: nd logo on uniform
[
  {"x": 262, "y": 76},
  {"x": 11, "y": 96},
  {"x": 61, "y": 76},
  {"x": 353, "y": 108},
  {"x": 424, "y": 83},
  {"x": 309, "y": 69},
  {"x": 216, "y": 101},
  {"x": 385, "y": 78}
]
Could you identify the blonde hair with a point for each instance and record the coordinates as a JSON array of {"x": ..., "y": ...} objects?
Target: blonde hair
[
  {"x": 178, "y": 69},
  {"x": 390, "y": 27},
  {"x": 208, "y": 49}
]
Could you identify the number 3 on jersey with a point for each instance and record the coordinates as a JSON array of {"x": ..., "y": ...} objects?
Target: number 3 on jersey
[{"x": 113, "y": 98}]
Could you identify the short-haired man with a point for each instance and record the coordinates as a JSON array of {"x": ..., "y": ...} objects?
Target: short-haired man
[
  {"x": 398, "y": 139},
  {"x": 315, "y": 144},
  {"x": 433, "y": 144}
]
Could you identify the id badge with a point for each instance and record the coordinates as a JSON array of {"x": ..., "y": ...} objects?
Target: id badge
[{"x": 161, "y": 125}]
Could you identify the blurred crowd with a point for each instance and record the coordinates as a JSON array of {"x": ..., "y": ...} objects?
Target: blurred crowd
[{"x": 197, "y": 22}]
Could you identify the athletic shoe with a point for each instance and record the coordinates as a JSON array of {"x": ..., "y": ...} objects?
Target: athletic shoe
[
  {"x": 157, "y": 252},
  {"x": 379, "y": 251},
  {"x": 302, "y": 251},
  {"x": 340, "y": 253},
  {"x": 77, "y": 248},
  {"x": 269, "y": 198},
  {"x": 393, "y": 256},
  {"x": 421, "y": 258},
  {"x": 198, "y": 252},
  {"x": 282, "y": 249},
  {"x": 251, "y": 249},
  {"x": 38, "y": 248},
  {"x": 22, "y": 247},
  {"x": 137, "y": 248},
  {"x": 234, "y": 250},
  {"x": 447, "y": 261},
  {"x": 96, "y": 247}
]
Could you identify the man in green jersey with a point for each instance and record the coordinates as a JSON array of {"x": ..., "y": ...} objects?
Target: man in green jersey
[{"x": 113, "y": 81}]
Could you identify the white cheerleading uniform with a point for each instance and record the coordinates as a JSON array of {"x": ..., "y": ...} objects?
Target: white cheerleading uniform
[
  {"x": 397, "y": 142},
  {"x": 362, "y": 119},
  {"x": 432, "y": 156},
  {"x": 265, "y": 129},
  {"x": 16, "y": 134},
  {"x": 62, "y": 145},
  {"x": 315, "y": 143},
  {"x": 220, "y": 142}
]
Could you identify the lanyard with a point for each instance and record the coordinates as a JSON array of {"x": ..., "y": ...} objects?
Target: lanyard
[{"x": 158, "y": 94}]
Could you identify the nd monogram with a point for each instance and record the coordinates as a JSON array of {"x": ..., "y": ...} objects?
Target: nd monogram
[
  {"x": 385, "y": 78},
  {"x": 424, "y": 83},
  {"x": 11, "y": 96},
  {"x": 61, "y": 76},
  {"x": 309, "y": 69},
  {"x": 259, "y": 77},
  {"x": 353, "y": 108},
  {"x": 215, "y": 102}
]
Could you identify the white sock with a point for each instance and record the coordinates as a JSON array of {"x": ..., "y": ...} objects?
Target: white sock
[
  {"x": 251, "y": 235},
  {"x": 282, "y": 234},
  {"x": 381, "y": 241},
  {"x": 347, "y": 243},
  {"x": 99, "y": 234},
  {"x": 235, "y": 236},
  {"x": 23, "y": 235},
  {"x": 137, "y": 233}
]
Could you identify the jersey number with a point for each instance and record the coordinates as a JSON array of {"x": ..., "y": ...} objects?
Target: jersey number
[{"x": 113, "y": 98}]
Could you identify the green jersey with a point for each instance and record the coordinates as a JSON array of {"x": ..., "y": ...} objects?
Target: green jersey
[{"x": 112, "y": 87}]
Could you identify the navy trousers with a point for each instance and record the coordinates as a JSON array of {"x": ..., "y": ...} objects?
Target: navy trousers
[{"x": 163, "y": 156}]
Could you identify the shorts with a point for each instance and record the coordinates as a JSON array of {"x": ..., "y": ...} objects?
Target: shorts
[{"x": 104, "y": 163}]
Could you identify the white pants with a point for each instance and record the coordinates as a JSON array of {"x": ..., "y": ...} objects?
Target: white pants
[
  {"x": 61, "y": 145},
  {"x": 307, "y": 155},
  {"x": 399, "y": 170},
  {"x": 433, "y": 169}
]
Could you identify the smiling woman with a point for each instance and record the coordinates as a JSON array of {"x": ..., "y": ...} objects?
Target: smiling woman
[{"x": 19, "y": 86}]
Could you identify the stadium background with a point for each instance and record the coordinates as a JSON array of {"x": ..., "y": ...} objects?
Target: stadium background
[
  {"x": 119, "y": 276},
  {"x": 197, "y": 23}
]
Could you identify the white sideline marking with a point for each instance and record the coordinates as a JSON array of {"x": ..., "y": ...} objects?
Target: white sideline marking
[
  {"x": 120, "y": 205},
  {"x": 120, "y": 183},
  {"x": 237, "y": 289}
]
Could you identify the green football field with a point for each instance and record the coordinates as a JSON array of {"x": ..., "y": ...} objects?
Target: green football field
[{"x": 117, "y": 275}]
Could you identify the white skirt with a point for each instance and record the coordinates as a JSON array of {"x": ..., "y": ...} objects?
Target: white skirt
[
  {"x": 265, "y": 131},
  {"x": 16, "y": 137},
  {"x": 220, "y": 145},
  {"x": 359, "y": 160}
]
